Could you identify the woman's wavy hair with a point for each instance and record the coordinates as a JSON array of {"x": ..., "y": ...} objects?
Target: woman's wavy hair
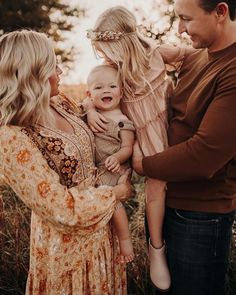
[
  {"x": 130, "y": 52},
  {"x": 27, "y": 60}
]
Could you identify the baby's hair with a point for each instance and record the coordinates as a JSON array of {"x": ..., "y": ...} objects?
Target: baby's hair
[
  {"x": 27, "y": 60},
  {"x": 98, "y": 68},
  {"x": 129, "y": 52}
]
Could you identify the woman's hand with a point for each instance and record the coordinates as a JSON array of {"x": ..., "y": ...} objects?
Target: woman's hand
[
  {"x": 96, "y": 121},
  {"x": 123, "y": 190},
  {"x": 137, "y": 158}
]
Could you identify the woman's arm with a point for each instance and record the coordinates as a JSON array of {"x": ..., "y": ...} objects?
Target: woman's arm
[{"x": 28, "y": 174}]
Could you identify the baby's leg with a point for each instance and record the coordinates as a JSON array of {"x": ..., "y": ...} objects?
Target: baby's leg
[
  {"x": 155, "y": 209},
  {"x": 121, "y": 225}
]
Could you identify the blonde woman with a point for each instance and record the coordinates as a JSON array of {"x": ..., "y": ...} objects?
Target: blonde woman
[
  {"x": 115, "y": 38},
  {"x": 47, "y": 158}
]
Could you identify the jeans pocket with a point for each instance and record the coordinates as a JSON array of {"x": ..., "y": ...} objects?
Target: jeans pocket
[{"x": 196, "y": 217}]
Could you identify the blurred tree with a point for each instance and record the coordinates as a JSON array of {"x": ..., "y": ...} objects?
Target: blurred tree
[
  {"x": 159, "y": 22},
  {"x": 157, "y": 19},
  {"x": 50, "y": 16}
]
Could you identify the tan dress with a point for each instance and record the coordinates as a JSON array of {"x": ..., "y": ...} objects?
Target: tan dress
[
  {"x": 72, "y": 249},
  {"x": 107, "y": 143},
  {"x": 147, "y": 109}
]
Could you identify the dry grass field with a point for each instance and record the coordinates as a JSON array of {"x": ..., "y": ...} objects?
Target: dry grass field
[{"x": 14, "y": 245}]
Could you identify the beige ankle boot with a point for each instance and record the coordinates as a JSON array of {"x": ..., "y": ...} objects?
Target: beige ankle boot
[{"x": 159, "y": 272}]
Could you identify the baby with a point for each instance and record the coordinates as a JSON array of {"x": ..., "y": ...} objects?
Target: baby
[{"x": 114, "y": 146}]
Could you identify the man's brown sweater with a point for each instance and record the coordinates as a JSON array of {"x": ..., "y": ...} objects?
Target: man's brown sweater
[{"x": 200, "y": 164}]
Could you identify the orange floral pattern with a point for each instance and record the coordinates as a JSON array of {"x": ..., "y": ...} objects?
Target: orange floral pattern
[
  {"x": 23, "y": 156},
  {"x": 43, "y": 188},
  {"x": 73, "y": 250}
]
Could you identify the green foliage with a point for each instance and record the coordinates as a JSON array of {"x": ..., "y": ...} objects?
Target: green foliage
[{"x": 49, "y": 16}]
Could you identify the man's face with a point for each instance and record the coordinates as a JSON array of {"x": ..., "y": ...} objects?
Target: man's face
[{"x": 200, "y": 25}]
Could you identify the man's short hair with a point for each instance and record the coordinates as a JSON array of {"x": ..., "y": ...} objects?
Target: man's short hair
[{"x": 210, "y": 5}]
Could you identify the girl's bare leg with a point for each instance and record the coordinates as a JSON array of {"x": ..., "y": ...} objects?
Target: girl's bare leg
[{"x": 155, "y": 210}]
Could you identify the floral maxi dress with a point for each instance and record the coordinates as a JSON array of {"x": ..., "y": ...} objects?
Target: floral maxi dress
[{"x": 72, "y": 249}]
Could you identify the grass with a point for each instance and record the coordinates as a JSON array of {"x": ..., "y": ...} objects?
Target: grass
[
  {"x": 14, "y": 242},
  {"x": 14, "y": 245}
]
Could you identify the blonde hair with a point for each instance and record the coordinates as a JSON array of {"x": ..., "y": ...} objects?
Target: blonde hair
[
  {"x": 27, "y": 60},
  {"x": 130, "y": 52}
]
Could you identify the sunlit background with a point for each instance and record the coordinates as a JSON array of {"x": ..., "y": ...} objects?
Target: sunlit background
[
  {"x": 148, "y": 12},
  {"x": 66, "y": 22}
]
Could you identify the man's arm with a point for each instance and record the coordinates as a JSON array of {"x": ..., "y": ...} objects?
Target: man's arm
[{"x": 211, "y": 147}]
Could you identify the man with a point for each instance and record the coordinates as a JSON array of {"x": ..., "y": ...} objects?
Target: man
[{"x": 200, "y": 164}]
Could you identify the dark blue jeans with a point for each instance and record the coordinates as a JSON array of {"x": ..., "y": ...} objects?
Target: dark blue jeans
[{"x": 198, "y": 246}]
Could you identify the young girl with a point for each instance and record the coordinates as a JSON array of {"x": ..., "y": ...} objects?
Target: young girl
[
  {"x": 142, "y": 68},
  {"x": 114, "y": 146}
]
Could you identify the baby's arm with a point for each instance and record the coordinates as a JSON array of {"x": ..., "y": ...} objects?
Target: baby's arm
[{"x": 114, "y": 161}]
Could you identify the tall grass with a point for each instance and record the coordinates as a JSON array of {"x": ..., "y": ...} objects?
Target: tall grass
[
  {"x": 14, "y": 245},
  {"x": 137, "y": 271},
  {"x": 14, "y": 242}
]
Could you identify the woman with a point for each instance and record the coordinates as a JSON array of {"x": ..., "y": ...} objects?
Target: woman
[{"x": 47, "y": 157}]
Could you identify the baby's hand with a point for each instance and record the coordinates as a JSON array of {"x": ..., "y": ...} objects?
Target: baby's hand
[{"x": 112, "y": 164}]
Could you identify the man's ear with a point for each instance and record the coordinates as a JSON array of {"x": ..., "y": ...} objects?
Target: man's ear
[{"x": 222, "y": 10}]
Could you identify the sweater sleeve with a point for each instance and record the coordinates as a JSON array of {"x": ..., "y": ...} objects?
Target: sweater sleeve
[
  {"x": 82, "y": 208},
  {"x": 209, "y": 149}
]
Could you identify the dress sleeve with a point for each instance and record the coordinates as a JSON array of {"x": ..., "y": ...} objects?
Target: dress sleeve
[
  {"x": 174, "y": 56},
  {"x": 209, "y": 149},
  {"x": 80, "y": 208}
]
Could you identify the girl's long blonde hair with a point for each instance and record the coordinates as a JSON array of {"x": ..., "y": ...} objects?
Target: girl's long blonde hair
[
  {"x": 27, "y": 60},
  {"x": 130, "y": 52}
]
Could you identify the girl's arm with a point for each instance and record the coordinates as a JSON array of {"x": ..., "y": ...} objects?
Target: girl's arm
[
  {"x": 96, "y": 121},
  {"x": 113, "y": 162},
  {"x": 174, "y": 54}
]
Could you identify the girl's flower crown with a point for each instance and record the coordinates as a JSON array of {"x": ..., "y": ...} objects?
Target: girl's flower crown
[
  {"x": 113, "y": 35},
  {"x": 104, "y": 36}
]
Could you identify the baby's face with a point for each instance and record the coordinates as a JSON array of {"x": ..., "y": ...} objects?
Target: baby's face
[{"x": 105, "y": 89}]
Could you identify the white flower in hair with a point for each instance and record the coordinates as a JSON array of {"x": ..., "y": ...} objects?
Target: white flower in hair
[{"x": 104, "y": 36}]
